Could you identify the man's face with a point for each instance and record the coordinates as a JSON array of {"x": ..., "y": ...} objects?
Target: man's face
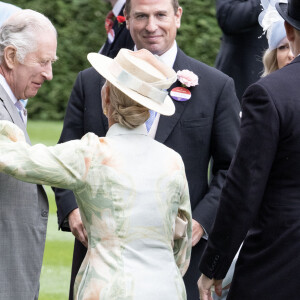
[
  {"x": 153, "y": 24},
  {"x": 26, "y": 78}
]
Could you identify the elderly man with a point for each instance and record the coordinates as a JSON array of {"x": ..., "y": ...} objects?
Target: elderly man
[
  {"x": 117, "y": 34},
  {"x": 204, "y": 126},
  {"x": 260, "y": 202},
  {"x": 27, "y": 51}
]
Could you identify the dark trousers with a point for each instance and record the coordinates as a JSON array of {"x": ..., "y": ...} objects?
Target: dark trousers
[
  {"x": 192, "y": 275},
  {"x": 78, "y": 256}
]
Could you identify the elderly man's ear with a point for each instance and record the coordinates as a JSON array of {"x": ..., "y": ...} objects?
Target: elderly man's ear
[{"x": 10, "y": 56}]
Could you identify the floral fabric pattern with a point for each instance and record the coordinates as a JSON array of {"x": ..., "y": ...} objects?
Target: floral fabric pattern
[{"x": 129, "y": 189}]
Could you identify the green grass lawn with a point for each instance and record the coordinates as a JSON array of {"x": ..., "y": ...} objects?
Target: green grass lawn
[{"x": 56, "y": 270}]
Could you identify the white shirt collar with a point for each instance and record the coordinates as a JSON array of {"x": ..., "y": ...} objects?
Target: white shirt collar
[
  {"x": 7, "y": 89},
  {"x": 169, "y": 56},
  {"x": 117, "y": 129},
  {"x": 118, "y": 7}
]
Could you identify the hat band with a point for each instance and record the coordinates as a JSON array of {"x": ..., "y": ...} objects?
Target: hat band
[{"x": 137, "y": 85}]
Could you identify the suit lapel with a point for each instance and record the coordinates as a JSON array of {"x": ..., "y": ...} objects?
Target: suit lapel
[
  {"x": 12, "y": 111},
  {"x": 166, "y": 124}
]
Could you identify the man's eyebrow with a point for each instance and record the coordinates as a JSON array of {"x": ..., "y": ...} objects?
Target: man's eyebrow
[
  {"x": 145, "y": 13},
  {"x": 161, "y": 12},
  {"x": 139, "y": 13}
]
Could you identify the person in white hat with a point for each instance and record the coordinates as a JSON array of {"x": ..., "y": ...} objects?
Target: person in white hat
[{"x": 131, "y": 190}]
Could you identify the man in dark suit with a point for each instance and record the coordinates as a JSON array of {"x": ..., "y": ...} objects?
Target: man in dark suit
[
  {"x": 205, "y": 126},
  {"x": 242, "y": 43},
  {"x": 260, "y": 201},
  {"x": 117, "y": 36}
]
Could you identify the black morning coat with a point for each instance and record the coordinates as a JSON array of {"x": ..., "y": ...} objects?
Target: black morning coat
[{"x": 261, "y": 195}]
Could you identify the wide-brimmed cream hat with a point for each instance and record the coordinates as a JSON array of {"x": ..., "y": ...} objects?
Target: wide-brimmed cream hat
[{"x": 140, "y": 75}]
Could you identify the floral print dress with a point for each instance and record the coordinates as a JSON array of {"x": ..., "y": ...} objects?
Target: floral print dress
[{"x": 129, "y": 189}]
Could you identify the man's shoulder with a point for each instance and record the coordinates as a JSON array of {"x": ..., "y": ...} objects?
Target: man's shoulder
[
  {"x": 200, "y": 68},
  {"x": 283, "y": 76},
  {"x": 280, "y": 84},
  {"x": 89, "y": 76},
  {"x": 89, "y": 72}
]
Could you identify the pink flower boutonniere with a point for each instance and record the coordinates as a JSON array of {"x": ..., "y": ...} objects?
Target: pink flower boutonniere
[
  {"x": 121, "y": 19},
  {"x": 187, "y": 78}
]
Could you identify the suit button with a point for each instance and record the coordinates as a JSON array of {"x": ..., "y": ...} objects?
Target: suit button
[{"x": 44, "y": 213}]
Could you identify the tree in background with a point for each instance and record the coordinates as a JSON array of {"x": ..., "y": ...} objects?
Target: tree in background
[{"x": 80, "y": 27}]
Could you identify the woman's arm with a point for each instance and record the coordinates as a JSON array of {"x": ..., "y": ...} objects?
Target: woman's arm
[
  {"x": 183, "y": 246},
  {"x": 65, "y": 165}
]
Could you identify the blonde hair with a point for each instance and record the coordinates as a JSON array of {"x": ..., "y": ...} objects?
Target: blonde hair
[
  {"x": 126, "y": 111},
  {"x": 270, "y": 62}
]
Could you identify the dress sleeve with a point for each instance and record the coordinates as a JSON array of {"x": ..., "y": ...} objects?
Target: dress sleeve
[
  {"x": 65, "y": 165},
  {"x": 183, "y": 246}
]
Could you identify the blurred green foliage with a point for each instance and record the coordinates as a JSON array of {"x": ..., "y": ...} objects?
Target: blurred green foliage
[{"x": 80, "y": 27}]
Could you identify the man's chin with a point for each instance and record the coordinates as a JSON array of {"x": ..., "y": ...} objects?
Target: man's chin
[
  {"x": 154, "y": 49},
  {"x": 31, "y": 95}
]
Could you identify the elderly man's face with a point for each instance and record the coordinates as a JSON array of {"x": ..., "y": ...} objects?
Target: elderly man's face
[
  {"x": 153, "y": 24},
  {"x": 26, "y": 78}
]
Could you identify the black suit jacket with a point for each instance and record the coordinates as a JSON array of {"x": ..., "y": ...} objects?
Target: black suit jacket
[
  {"x": 122, "y": 39},
  {"x": 262, "y": 195},
  {"x": 205, "y": 126},
  {"x": 242, "y": 43}
]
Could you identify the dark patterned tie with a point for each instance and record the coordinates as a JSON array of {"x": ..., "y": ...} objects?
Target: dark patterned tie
[{"x": 109, "y": 22}]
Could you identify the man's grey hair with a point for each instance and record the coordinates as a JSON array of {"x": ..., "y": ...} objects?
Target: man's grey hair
[{"x": 22, "y": 30}]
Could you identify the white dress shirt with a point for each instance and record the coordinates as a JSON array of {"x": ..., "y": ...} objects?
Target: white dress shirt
[
  {"x": 168, "y": 58},
  {"x": 118, "y": 7}
]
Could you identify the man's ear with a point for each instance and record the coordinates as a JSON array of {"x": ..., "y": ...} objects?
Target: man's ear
[
  {"x": 127, "y": 18},
  {"x": 10, "y": 56},
  {"x": 178, "y": 15},
  {"x": 290, "y": 32}
]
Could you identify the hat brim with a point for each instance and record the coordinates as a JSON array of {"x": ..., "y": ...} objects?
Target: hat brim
[
  {"x": 282, "y": 9},
  {"x": 102, "y": 64}
]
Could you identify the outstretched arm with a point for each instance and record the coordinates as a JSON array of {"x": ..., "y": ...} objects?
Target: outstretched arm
[{"x": 64, "y": 165}]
